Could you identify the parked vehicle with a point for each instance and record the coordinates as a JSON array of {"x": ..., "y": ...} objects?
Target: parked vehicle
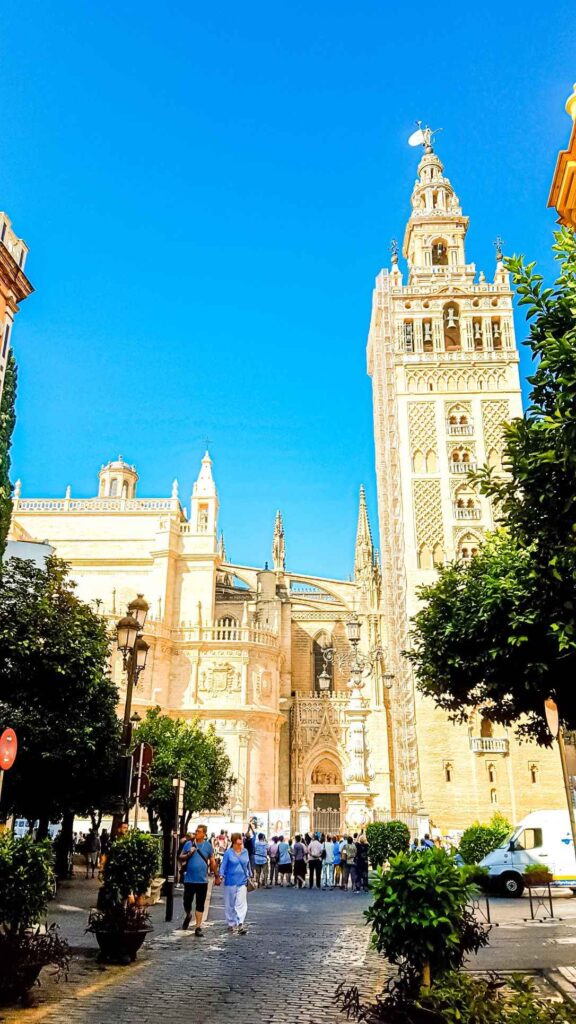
[{"x": 543, "y": 837}]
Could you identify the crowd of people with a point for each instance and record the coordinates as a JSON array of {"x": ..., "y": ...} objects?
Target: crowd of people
[{"x": 247, "y": 861}]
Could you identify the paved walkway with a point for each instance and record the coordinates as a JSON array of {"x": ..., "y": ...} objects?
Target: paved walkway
[{"x": 300, "y": 945}]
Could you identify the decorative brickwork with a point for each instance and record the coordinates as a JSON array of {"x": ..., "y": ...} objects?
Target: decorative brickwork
[
  {"x": 494, "y": 415},
  {"x": 428, "y": 513},
  {"x": 422, "y": 426}
]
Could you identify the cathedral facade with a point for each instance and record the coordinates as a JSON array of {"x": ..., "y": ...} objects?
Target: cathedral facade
[
  {"x": 303, "y": 676},
  {"x": 262, "y": 653}
]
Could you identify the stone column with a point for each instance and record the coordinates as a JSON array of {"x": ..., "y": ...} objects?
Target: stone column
[{"x": 357, "y": 789}]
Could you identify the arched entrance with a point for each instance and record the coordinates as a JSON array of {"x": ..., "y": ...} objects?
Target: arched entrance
[{"x": 325, "y": 788}]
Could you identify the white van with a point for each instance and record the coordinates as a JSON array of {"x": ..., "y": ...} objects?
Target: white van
[{"x": 543, "y": 837}]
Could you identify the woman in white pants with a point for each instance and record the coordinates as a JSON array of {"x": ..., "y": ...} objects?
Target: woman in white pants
[{"x": 235, "y": 871}]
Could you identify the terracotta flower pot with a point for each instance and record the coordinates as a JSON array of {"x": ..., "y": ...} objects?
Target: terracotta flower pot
[{"x": 13, "y": 987}]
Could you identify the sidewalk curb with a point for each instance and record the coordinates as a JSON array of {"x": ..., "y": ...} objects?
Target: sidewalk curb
[{"x": 555, "y": 976}]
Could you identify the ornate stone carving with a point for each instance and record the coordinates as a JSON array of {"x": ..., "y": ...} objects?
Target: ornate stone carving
[
  {"x": 428, "y": 513},
  {"x": 494, "y": 415},
  {"x": 422, "y": 426},
  {"x": 262, "y": 683},
  {"x": 220, "y": 678}
]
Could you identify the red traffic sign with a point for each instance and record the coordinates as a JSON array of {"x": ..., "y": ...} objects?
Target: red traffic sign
[{"x": 8, "y": 749}]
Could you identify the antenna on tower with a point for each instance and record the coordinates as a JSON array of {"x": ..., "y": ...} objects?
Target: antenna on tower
[{"x": 423, "y": 137}]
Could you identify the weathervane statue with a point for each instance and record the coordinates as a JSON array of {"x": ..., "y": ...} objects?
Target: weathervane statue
[{"x": 423, "y": 137}]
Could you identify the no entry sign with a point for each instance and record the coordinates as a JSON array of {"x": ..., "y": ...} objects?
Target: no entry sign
[{"x": 8, "y": 749}]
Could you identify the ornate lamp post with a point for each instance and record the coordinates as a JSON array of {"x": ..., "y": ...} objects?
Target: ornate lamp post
[
  {"x": 134, "y": 650},
  {"x": 361, "y": 666}
]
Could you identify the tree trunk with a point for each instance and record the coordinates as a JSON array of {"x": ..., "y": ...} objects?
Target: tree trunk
[
  {"x": 153, "y": 822},
  {"x": 96, "y": 819},
  {"x": 65, "y": 847},
  {"x": 42, "y": 830}
]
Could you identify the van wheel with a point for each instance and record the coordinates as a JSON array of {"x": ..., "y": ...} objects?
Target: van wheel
[{"x": 511, "y": 885}]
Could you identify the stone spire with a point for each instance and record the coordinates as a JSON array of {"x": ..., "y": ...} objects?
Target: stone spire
[
  {"x": 364, "y": 551},
  {"x": 279, "y": 545},
  {"x": 204, "y": 511},
  {"x": 222, "y": 547}
]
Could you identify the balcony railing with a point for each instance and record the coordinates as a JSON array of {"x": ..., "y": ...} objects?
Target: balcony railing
[
  {"x": 489, "y": 745},
  {"x": 460, "y": 429},
  {"x": 462, "y": 467},
  {"x": 226, "y": 634},
  {"x": 467, "y": 513}
]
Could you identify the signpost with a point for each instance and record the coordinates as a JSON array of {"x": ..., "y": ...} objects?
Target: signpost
[
  {"x": 179, "y": 786},
  {"x": 8, "y": 751},
  {"x": 140, "y": 787},
  {"x": 553, "y": 722}
]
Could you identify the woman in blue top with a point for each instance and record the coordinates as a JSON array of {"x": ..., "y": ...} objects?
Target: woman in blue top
[
  {"x": 284, "y": 861},
  {"x": 235, "y": 870}
]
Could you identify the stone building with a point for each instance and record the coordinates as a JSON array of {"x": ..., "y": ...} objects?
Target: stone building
[
  {"x": 261, "y": 653},
  {"x": 14, "y": 286},
  {"x": 265, "y": 654},
  {"x": 444, "y": 367}
]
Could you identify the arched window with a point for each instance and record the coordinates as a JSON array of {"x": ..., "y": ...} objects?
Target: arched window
[
  {"x": 493, "y": 796},
  {"x": 451, "y": 318},
  {"x": 534, "y": 774},
  {"x": 448, "y": 771},
  {"x": 439, "y": 253},
  {"x": 438, "y": 554},
  {"x": 419, "y": 462},
  {"x": 468, "y": 546},
  {"x": 408, "y": 336},
  {"x": 430, "y": 461},
  {"x": 125, "y": 489},
  {"x": 323, "y": 666},
  {"x": 486, "y": 728},
  {"x": 491, "y": 773},
  {"x": 427, "y": 342},
  {"x": 114, "y": 488},
  {"x": 203, "y": 519},
  {"x": 496, "y": 335},
  {"x": 424, "y": 557},
  {"x": 477, "y": 334},
  {"x": 494, "y": 460},
  {"x": 227, "y": 628}
]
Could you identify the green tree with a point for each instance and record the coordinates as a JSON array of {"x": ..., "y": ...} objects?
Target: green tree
[
  {"x": 385, "y": 838},
  {"x": 56, "y": 693},
  {"x": 197, "y": 754},
  {"x": 7, "y": 422},
  {"x": 479, "y": 840},
  {"x": 503, "y": 628}
]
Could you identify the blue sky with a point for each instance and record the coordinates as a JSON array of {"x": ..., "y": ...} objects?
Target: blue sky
[{"x": 208, "y": 192}]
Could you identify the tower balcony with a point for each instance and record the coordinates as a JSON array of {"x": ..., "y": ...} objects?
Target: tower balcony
[
  {"x": 462, "y": 467},
  {"x": 460, "y": 429},
  {"x": 489, "y": 745},
  {"x": 467, "y": 513}
]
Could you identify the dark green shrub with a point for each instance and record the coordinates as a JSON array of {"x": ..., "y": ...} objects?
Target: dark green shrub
[
  {"x": 385, "y": 838},
  {"x": 133, "y": 862},
  {"x": 479, "y": 840},
  {"x": 26, "y": 881},
  {"x": 420, "y": 917},
  {"x": 476, "y": 875}
]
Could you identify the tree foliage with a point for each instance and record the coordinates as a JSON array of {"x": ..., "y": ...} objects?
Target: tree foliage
[
  {"x": 420, "y": 916},
  {"x": 197, "y": 754},
  {"x": 56, "y": 693},
  {"x": 132, "y": 864},
  {"x": 26, "y": 882},
  {"x": 7, "y": 422},
  {"x": 385, "y": 838},
  {"x": 502, "y": 628},
  {"x": 479, "y": 840}
]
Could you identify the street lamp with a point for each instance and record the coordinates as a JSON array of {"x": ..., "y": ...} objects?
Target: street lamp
[
  {"x": 353, "y": 630},
  {"x": 324, "y": 681},
  {"x": 138, "y": 608},
  {"x": 134, "y": 650}
]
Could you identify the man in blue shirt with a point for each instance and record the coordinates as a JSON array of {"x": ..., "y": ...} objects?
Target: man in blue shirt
[{"x": 198, "y": 855}]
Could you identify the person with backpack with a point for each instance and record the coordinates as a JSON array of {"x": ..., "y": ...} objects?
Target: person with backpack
[
  {"x": 91, "y": 851},
  {"x": 236, "y": 872},
  {"x": 261, "y": 861},
  {"x": 273, "y": 854},
  {"x": 197, "y": 855},
  {"x": 348, "y": 855},
  {"x": 284, "y": 862},
  {"x": 314, "y": 861}
]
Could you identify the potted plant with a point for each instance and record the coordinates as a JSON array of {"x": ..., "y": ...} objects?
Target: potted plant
[
  {"x": 121, "y": 922},
  {"x": 476, "y": 875},
  {"x": 537, "y": 874},
  {"x": 26, "y": 885}
]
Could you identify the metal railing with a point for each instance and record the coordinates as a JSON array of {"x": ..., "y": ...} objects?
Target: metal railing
[{"x": 462, "y": 467}]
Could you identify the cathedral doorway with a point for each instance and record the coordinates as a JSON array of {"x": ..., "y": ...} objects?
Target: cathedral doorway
[{"x": 325, "y": 790}]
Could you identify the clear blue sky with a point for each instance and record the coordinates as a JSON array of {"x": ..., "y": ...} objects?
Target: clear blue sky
[{"x": 208, "y": 192}]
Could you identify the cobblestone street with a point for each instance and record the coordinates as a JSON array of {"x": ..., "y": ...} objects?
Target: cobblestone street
[{"x": 298, "y": 949}]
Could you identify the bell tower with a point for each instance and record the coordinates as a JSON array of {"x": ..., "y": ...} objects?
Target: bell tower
[{"x": 444, "y": 368}]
